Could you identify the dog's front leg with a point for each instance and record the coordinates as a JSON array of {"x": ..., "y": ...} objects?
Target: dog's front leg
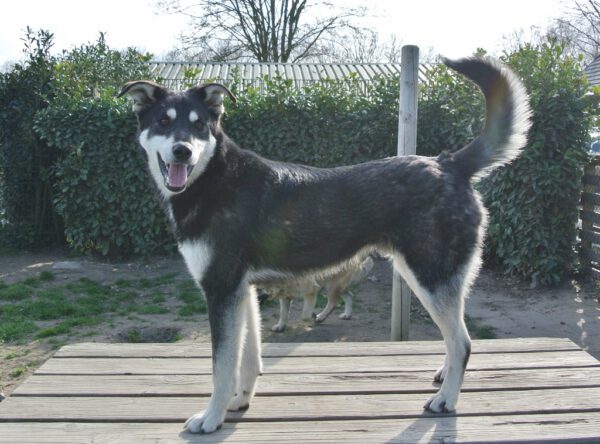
[
  {"x": 251, "y": 365},
  {"x": 226, "y": 310}
]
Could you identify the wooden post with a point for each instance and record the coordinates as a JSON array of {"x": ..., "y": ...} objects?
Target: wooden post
[{"x": 407, "y": 145}]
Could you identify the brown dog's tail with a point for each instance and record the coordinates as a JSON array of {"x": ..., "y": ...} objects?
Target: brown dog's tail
[{"x": 507, "y": 116}]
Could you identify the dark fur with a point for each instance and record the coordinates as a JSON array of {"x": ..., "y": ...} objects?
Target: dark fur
[{"x": 415, "y": 205}]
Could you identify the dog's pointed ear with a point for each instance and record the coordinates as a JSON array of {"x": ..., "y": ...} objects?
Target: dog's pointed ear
[
  {"x": 143, "y": 92},
  {"x": 213, "y": 95}
]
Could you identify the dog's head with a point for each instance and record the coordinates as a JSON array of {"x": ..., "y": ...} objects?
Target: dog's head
[{"x": 177, "y": 130}]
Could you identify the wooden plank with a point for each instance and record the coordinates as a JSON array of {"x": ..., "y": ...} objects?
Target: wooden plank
[
  {"x": 591, "y": 181},
  {"x": 589, "y": 216},
  {"x": 334, "y": 364},
  {"x": 587, "y": 225},
  {"x": 271, "y": 349},
  {"x": 593, "y": 272},
  {"x": 590, "y": 255},
  {"x": 592, "y": 237},
  {"x": 592, "y": 199},
  {"x": 285, "y": 384},
  {"x": 296, "y": 408},
  {"x": 506, "y": 429}
]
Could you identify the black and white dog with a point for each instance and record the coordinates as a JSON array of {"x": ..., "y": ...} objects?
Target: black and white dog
[{"x": 241, "y": 220}]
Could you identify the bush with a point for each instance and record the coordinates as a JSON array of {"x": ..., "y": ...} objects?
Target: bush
[
  {"x": 533, "y": 203},
  {"x": 27, "y": 218},
  {"x": 324, "y": 124},
  {"x": 102, "y": 189},
  {"x": 451, "y": 112},
  {"x": 100, "y": 182}
]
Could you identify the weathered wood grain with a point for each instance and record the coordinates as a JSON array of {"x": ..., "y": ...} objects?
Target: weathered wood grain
[
  {"x": 531, "y": 390},
  {"x": 203, "y": 350},
  {"x": 476, "y": 429},
  {"x": 317, "y": 364},
  {"x": 282, "y": 384},
  {"x": 296, "y": 408}
]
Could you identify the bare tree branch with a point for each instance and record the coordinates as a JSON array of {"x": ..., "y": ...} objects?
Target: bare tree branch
[
  {"x": 581, "y": 28},
  {"x": 263, "y": 30}
]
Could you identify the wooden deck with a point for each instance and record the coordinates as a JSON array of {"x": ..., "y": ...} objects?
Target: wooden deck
[{"x": 515, "y": 390}]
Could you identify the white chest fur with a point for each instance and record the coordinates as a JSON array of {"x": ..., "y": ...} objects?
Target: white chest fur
[{"x": 197, "y": 255}]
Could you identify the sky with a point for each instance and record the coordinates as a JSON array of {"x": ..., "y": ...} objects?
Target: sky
[{"x": 453, "y": 28}]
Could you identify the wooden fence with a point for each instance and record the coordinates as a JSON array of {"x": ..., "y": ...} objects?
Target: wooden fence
[{"x": 590, "y": 218}]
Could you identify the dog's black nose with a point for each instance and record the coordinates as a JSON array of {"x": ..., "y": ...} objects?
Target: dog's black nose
[{"x": 181, "y": 152}]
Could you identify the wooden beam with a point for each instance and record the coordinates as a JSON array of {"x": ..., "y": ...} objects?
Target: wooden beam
[{"x": 407, "y": 145}]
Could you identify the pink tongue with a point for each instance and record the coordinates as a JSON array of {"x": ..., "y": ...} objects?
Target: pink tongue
[{"x": 177, "y": 175}]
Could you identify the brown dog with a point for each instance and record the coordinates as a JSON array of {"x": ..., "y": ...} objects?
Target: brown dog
[{"x": 334, "y": 286}]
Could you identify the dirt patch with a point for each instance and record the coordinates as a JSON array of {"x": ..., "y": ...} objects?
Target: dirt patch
[{"x": 164, "y": 308}]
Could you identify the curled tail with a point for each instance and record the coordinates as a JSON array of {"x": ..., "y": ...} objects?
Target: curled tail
[{"x": 507, "y": 116}]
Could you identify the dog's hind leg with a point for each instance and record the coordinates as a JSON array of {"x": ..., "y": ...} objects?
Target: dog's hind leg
[
  {"x": 446, "y": 307},
  {"x": 227, "y": 316},
  {"x": 309, "y": 295},
  {"x": 251, "y": 365},
  {"x": 333, "y": 296},
  {"x": 347, "y": 314},
  {"x": 284, "y": 310}
]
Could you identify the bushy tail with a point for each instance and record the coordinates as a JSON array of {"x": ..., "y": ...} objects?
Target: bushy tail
[{"x": 507, "y": 116}]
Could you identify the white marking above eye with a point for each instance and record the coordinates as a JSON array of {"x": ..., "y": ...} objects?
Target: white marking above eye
[
  {"x": 172, "y": 113},
  {"x": 193, "y": 116}
]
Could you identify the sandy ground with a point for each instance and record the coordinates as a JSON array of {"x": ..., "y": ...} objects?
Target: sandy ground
[{"x": 498, "y": 306}]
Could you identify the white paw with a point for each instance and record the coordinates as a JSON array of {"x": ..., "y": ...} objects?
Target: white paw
[
  {"x": 440, "y": 375},
  {"x": 278, "y": 327},
  {"x": 440, "y": 403},
  {"x": 322, "y": 316},
  {"x": 240, "y": 402},
  {"x": 204, "y": 422},
  {"x": 345, "y": 316}
]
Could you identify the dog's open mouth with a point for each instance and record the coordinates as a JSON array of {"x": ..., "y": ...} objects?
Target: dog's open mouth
[{"x": 175, "y": 174}]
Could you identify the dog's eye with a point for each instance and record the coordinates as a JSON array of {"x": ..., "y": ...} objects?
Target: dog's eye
[
  {"x": 198, "y": 124},
  {"x": 165, "y": 121}
]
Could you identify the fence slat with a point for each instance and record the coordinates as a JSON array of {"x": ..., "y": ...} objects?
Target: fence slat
[
  {"x": 590, "y": 179},
  {"x": 590, "y": 236},
  {"x": 590, "y": 216},
  {"x": 590, "y": 199}
]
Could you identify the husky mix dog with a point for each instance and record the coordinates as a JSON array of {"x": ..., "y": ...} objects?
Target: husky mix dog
[{"x": 241, "y": 220}]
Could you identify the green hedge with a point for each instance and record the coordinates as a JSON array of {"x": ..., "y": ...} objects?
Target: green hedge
[
  {"x": 27, "y": 218},
  {"x": 533, "y": 203},
  {"x": 324, "y": 124},
  {"x": 101, "y": 186},
  {"x": 101, "y": 190},
  {"x": 102, "y": 193}
]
